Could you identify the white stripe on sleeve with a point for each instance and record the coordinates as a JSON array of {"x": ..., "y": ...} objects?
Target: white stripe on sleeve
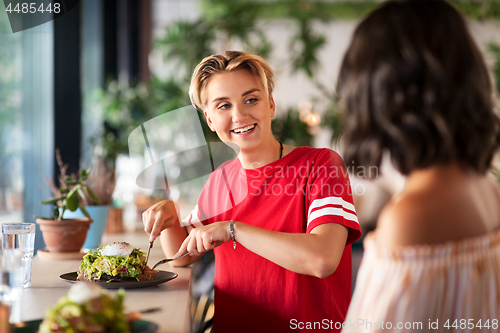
[{"x": 337, "y": 211}]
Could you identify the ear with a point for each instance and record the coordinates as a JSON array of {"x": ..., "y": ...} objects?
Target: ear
[
  {"x": 272, "y": 106},
  {"x": 209, "y": 121}
]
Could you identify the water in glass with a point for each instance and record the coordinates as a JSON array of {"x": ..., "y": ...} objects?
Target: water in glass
[
  {"x": 21, "y": 236},
  {"x": 11, "y": 281}
]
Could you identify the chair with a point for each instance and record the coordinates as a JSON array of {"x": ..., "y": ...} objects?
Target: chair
[{"x": 204, "y": 313}]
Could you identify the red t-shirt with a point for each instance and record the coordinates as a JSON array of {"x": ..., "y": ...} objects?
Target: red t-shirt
[{"x": 294, "y": 194}]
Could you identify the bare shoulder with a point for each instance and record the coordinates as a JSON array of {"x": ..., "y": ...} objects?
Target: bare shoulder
[
  {"x": 440, "y": 214},
  {"x": 407, "y": 220}
]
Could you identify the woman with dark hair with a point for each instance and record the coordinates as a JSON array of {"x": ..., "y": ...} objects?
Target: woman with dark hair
[{"x": 414, "y": 83}]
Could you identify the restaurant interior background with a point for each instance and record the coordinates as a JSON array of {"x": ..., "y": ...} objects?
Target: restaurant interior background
[{"x": 83, "y": 82}]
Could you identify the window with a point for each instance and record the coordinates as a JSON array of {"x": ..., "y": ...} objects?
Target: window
[{"x": 11, "y": 166}]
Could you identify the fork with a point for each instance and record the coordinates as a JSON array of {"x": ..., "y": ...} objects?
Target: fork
[{"x": 164, "y": 261}]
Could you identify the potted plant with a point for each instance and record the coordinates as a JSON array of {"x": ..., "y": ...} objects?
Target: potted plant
[
  {"x": 62, "y": 234},
  {"x": 107, "y": 145},
  {"x": 102, "y": 181}
]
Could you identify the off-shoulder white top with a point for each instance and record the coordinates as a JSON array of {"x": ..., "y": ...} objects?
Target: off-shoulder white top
[{"x": 428, "y": 283}]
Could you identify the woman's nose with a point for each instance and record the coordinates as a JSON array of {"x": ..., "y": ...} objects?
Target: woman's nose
[{"x": 239, "y": 113}]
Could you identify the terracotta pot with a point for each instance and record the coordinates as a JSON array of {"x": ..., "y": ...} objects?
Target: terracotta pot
[
  {"x": 97, "y": 213},
  {"x": 115, "y": 221},
  {"x": 67, "y": 235}
]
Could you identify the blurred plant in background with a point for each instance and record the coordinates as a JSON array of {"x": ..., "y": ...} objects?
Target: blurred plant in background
[
  {"x": 495, "y": 50},
  {"x": 222, "y": 25},
  {"x": 102, "y": 180},
  {"x": 126, "y": 107},
  {"x": 183, "y": 46},
  {"x": 290, "y": 130}
]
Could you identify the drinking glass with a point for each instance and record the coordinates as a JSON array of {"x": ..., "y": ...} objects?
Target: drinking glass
[
  {"x": 21, "y": 236},
  {"x": 11, "y": 281}
]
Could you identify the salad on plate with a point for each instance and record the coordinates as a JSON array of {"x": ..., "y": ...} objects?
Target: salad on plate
[{"x": 118, "y": 261}]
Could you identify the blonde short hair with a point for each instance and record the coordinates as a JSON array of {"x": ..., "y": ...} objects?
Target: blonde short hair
[{"x": 230, "y": 62}]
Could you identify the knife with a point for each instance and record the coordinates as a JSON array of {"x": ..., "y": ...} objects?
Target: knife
[
  {"x": 136, "y": 315},
  {"x": 151, "y": 310}
]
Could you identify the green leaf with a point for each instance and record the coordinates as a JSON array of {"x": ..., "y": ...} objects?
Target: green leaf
[
  {"x": 84, "y": 174},
  {"x": 92, "y": 195},
  {"x": 84, "y": 211},
  {"x": 82, "y": 194},
  {"x": 72, "y": 199},
  {"x": 50, "y": 201}
]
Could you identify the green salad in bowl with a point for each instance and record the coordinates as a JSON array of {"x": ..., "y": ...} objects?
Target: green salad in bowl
[{"x": 87, "y": 308}]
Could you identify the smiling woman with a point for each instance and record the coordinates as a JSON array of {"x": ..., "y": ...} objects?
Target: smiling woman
[
  {"x": 239, "y": 110},
  {"x": 281, "y": 239},
  {"x": 235, "y": 94}
]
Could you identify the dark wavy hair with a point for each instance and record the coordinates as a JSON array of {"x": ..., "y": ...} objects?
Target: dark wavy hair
[{"x": 413, "y": 82}]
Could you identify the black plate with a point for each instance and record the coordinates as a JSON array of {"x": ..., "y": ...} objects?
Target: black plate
[
  {"x": 139, "y": 326},
  {"x": 161, "y": 277}
]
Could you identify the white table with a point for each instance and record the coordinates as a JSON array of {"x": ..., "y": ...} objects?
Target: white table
[{"x": 173, "y": 296}]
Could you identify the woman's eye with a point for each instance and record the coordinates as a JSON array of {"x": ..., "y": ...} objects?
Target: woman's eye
[
  {"x": 224, "y": 106},
  {"x": 251, "y": 101}
]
